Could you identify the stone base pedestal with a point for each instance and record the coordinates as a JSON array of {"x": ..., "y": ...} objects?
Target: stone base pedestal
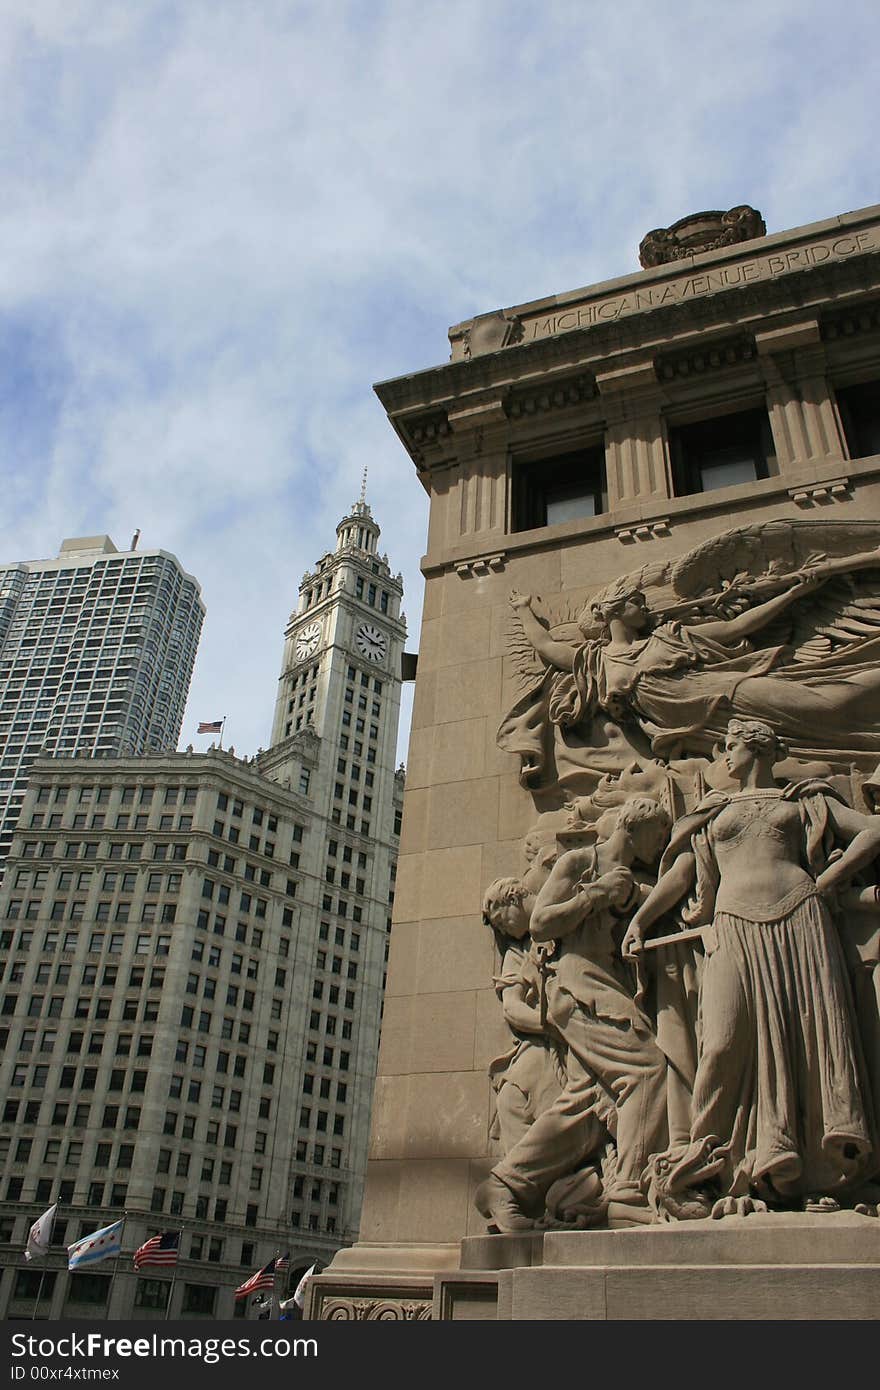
[{"x": 774, "y": 1267}]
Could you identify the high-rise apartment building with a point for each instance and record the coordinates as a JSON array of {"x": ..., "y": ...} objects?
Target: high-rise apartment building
[
  {"x": 194, "y": 950},
  {"x": 97, "y": 648}
]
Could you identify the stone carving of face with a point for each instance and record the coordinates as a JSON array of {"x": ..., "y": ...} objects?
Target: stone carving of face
[
  {"x": 738, "y": 756},
  {"x": 635, "y": 614},
  {"x": 648, "y": 840},
  {"x": 750, "y": 741},
  {"x": 510, "y": 918}
]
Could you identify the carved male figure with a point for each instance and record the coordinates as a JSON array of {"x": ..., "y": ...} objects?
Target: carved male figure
[{"x": 615, "y": 1071}]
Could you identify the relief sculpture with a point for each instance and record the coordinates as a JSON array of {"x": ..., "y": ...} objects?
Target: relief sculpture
[{"x": 689, "y": 964}]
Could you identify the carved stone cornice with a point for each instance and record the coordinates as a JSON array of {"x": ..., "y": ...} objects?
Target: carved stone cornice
[
  {"x": 539, "y": 397},
  {"x": 426, "y": 429},
  {"x": 701, "y": 358},
  {"x": 585, "y": 346},
  {"x": 851, "y": 321},
  {"x": 627, "y": 377}
]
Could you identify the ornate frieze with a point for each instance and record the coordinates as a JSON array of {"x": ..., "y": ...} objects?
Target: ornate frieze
[{"x": 374, "y": 1310}]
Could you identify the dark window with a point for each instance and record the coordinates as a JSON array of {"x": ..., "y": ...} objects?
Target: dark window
[
  {"x": 31, "y": 1282},
  {"x": 152, "y": 1293},
  {"x": 199, "y": 1298},
  {"x": 860, "y": 416},
  {"x": 563, "y": 488},
  {"x": 88, "y": 1288},
  {"x": 721, "y": 452}
]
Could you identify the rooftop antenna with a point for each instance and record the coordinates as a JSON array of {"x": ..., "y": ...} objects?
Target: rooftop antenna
[
  {"x": 135, "y": 538},
  {"x": 363, "y": 496}
]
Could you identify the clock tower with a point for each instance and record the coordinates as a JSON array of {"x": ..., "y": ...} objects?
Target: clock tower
[
  {"x": 334, "y": 743},
  {"x": 348, "y": 615}
]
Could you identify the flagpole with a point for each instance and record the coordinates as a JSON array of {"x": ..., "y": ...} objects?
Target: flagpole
[
  {"x": 174, "y": 1275},
  {"x": 43, "y": 1270},
  {"x": 116, "y": 1264},
  {"x": 222, "y": 727},
  {"x": 40, "y": 1288}
]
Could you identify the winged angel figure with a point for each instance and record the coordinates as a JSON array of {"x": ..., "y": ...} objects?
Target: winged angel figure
[{"x": 779, "y": 621}]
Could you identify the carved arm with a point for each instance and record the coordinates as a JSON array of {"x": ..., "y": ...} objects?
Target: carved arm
[
  {"x": 556, "y": 654},
  {"x": 667, "y": 891},
  {"x": 564, "y": 901},
  {"x": 732, "y": 629},
  {"x": 863, "y": 833},
  {"x": 522, "y": 1017}
]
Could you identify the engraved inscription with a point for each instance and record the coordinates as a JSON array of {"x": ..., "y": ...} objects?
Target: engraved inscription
[{"x": 705, "y": 283}]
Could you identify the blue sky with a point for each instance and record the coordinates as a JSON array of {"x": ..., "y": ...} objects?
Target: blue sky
[{"x": 224, "y": 219}]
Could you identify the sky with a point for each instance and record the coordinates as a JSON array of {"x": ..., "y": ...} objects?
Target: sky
[{"x": 223, "y": 220}]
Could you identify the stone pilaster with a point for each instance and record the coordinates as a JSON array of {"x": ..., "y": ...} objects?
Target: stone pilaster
[{"x": 635, "y": 444}]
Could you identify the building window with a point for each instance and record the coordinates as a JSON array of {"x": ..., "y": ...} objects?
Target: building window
[
  {"x": 88, "y": 1288},
  {"x": 152, "y": 1293},
  {"x": 562, "y": 488},
  {"x": 722, "y": 452},
  {"x": 860, "y": 415},
  {"x": 199, "y": 1298}
]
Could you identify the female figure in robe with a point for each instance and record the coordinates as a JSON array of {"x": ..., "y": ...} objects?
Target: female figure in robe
[{"x": 781, "y": 1089}]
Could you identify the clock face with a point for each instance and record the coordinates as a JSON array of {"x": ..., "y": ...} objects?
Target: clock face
[
  {"x": 371, "y": 642},
  {"x": 308, "y": 641}
]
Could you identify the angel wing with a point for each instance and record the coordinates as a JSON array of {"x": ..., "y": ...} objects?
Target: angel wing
[
  {"x": 748, "y": 564},
  {"x": 837, "y": 619},
  {"x": 528, "y": 666},
  {"x": 766, "y": 549}
]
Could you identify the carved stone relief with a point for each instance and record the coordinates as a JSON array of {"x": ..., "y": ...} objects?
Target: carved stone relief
[
  {"x": 700, "y": 231},
  {"x": 491, "y": 332},
  {"x": 374, "y": 1310},
  {"x": 689, "y": 957}
]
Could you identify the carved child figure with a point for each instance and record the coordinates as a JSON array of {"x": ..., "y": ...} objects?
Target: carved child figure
[
  {"x": 607, "y": 1038},
  {"x": 529, "y": 1076}
]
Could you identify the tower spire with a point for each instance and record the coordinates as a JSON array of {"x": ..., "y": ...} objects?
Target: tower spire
[{"x": 363, "y": 496}]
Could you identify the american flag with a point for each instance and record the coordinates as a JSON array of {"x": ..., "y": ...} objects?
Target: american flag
[
  {"x": 158, "y": 1250},
  {"x": 263, "y": 1279},
  {"x": 214, "y": 726}
]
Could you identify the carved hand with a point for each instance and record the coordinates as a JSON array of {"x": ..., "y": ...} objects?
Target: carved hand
[
  {"x": 518, "y": 600},
  {"x": 828, "y": 881},
  {"x": 618, "y": 885},
  {"x": 633, "y": 942},
  {"x": 809, "y": 578}
]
